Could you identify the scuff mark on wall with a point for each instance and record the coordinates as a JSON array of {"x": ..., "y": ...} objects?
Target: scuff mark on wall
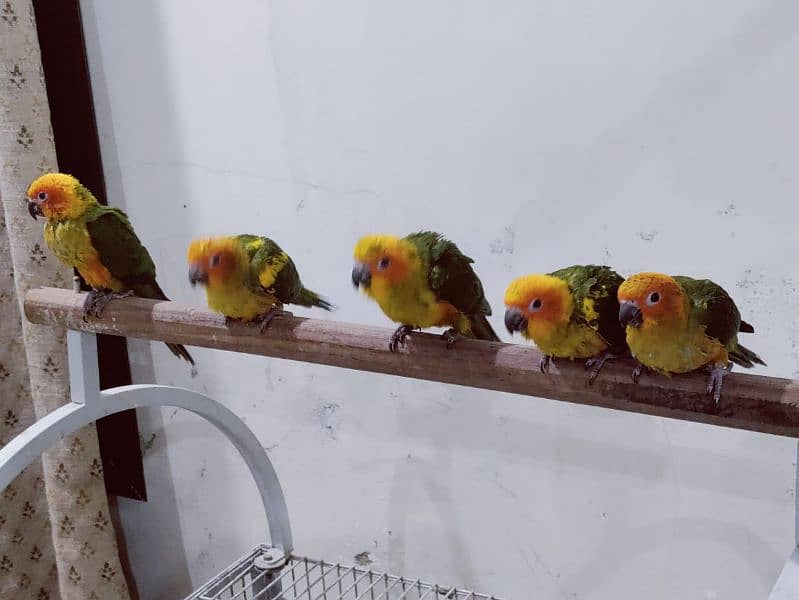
[
  {"x": 504, "y": 244},
  {"x": 326, "y": 414}
]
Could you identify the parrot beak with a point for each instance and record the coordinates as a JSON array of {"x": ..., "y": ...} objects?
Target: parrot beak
[
  {"x": 630, "y": 315},
  {"x": 515, "y": 320},
  {"x": 34, "y": 209},
  {"x": 361, "y": 275},
  {"x": 197, "y": 274}
]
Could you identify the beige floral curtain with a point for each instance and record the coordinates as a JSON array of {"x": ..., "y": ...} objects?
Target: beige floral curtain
[{"x": 56, "y": 536}]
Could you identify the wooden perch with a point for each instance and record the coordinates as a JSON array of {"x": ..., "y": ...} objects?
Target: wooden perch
[{"x": 752, "y": 402}]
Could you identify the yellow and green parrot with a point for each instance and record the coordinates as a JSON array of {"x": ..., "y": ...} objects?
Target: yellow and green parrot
[
  {"x": 422, "y": 280},
  {"x": 678, "y": 324},
  {"x": 248, "y": 278},
  {"x": 98, "y": 241},
  {"x": 569, "y": 313}
]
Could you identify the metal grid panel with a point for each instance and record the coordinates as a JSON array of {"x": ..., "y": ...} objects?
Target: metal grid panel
[{"x": 303, "y": 578}]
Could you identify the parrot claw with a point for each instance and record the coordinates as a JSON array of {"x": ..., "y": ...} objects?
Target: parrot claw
[
  {"x": 399, "y": 336},
  {"x": 639, "y": 370},
  {"x": 267, "y": 317},
  {"x": 714, "y": 384},
  {"x": 547, "y": 360},
  {"x": 97, "y": 300},
  {"x": 594, "y": 365},
  {"x": 452, "y": 335}
]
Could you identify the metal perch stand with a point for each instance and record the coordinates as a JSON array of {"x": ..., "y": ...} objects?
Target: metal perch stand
[{"x": 274, "y": 571}]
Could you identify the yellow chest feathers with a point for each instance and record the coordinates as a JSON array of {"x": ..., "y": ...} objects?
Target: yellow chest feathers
[
  {"x": 674, "y": 349},
  {"x": 70, "y": 242},
  {"x": 566, "y": 340},
  {"x": 238, "y": 302},
  {"x": 411, "y": 302}
]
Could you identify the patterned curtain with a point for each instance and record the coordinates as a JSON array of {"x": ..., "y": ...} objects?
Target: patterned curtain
[{"x": 56, "y": 536}]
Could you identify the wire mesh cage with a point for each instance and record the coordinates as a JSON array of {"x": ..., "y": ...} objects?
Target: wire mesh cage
[{"x": 299, "y": 577}]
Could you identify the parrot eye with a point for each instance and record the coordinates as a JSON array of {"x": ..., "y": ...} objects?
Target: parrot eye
[
  {"x": 42, "y": 196},
  {"x": 653, "y": 299},
  {"x": 215, "y": 260},
  {"x": 536, "y": 305},
  {"x": 383, "y": 263}
]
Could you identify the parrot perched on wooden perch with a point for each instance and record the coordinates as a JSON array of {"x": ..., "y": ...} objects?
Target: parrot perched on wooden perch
[
  {"x": 98, "y": 241},
  {"x": 249, "y": 278},
  {"x": 678, "y": 324},
  {"x": 570, "y": 313},
  {"x": 422, "y": 280}
]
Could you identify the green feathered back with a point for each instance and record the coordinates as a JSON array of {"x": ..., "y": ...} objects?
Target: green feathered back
[
  {"x": 712, "y": 307},
  {"x": 452, "y": 279},
  {"x": 265, "y": 255},
  {"x": 121, "y": 251},
  {"x": 594, "y": 288}
]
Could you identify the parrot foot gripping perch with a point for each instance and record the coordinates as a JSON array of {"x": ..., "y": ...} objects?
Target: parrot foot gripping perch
[
  {"x": 267, "y": 317},
  {"x": 594, "y": 365},
  {"x": 399, "y": 336},
  {"x": 717, "y": 373},
  {"x": 639, "y": 370},
  {"x": 452, "y": 335},
  {"x": 97, "y": 300},
  {"x": 547, "y": 360}
]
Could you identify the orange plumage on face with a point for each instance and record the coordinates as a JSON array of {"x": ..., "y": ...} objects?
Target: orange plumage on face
[
  {"x": 654, "y": 294},
  {"x": 386, "y": 258},
  {"x": 54, "y": 194},
  {"x": 212, "y": 261},
  {"x": 540, "y": 298}
]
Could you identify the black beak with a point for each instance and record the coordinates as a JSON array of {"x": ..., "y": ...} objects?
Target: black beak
[
  {"x": 361, "y": 275},
  {"x": 197, "y": 275},
  {"x": 514, "y": 320},
  {"x": 630, "y": 315},
  {"x": 34, "y": 209}
]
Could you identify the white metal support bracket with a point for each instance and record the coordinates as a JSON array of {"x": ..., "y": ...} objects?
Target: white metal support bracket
[
  {"x": 787, "y": 586},
  {"x": 89, "y": 403}
]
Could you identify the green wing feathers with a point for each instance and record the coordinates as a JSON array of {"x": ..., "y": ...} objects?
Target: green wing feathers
[
  {"x": 272, "y": 271},
  {"x": 452, "y": 279},
  {"x": 595, "y": 290},
  {"x": 123, "y": 254},
  {"x": 713, "y": 308}
]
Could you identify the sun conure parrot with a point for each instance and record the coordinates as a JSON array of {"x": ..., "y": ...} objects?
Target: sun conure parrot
[
  {"x": 248, "y": 278},
  {"x": 98, "y": 241},
  {"x": 570, "y": 313},
  {"x": 422, "y": 280},
  {"x": 678, "y": 324}
]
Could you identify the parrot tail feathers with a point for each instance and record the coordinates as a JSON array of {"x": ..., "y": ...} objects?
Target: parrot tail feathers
[
  {"x": 308, "y": 298},
  {"x": 745, "y": 357},
  {"x": 481, "y": 328},
  {"x": 180, "y": 351},
  {"x": 149, "y": 288}
]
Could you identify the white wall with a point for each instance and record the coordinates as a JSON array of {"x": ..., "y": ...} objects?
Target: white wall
[{"x": 536, "y": 134}]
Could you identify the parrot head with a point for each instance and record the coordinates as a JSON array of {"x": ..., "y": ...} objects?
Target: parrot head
[
  {"x": 536, "y": 304},
  {"x": 212, "y": 261},
  {"x": 650, "y": 298},
  {"x": 382, "y": 261},
  {"x": 58, "y": 196}
]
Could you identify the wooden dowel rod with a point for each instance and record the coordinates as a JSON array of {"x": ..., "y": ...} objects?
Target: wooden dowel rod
[{"x": 756, "y": 403}]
